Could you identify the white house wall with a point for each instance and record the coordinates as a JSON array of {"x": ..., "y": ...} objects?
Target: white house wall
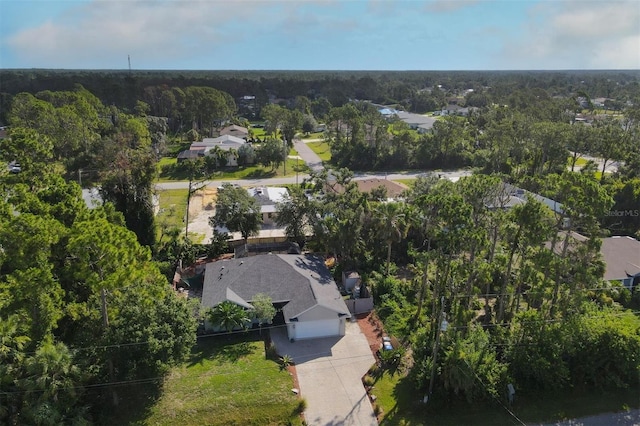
[{"x": 315, "y": 329}]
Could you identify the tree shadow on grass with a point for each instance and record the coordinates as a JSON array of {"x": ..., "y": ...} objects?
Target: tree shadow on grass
[
  {"x": 260, "y": 174},
  {"x": 223, "y": 348},
  {"x": 135, "y": 402}
]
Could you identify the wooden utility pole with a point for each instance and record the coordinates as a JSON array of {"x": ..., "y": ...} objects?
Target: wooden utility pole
[{"x": 284, "y": 141}]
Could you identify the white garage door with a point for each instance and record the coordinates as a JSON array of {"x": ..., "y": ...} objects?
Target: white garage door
[{"x": 317, "y": 328}]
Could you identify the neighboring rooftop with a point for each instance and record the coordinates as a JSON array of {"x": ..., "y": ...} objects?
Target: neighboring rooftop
[
  {"x": 394, "y": 189},
  {"x": 235, "y": 130},
  {"x": 225, "y": 142},
  {"x": 621, "y": 256},
  {"x": 268, "y": 196}
]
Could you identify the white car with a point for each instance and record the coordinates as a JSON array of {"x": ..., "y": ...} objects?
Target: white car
[{"x": 14, "y": 167}]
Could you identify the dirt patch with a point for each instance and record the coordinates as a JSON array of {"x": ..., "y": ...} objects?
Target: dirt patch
[
  {"x": 372, "y": 328},
  {"x": 201, "y": 208},
  {"x": 292, "y": 372}
]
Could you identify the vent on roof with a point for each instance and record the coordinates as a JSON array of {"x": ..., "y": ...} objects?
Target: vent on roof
[{"x": 242, "y": 263}]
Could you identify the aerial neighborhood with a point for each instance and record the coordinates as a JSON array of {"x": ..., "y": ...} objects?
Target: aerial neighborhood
[{"x": 309, "y": 248}]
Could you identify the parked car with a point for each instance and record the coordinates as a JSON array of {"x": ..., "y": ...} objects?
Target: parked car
[
  {"x": 14, "y": 167},
  {"x": 386, "y": 344}
]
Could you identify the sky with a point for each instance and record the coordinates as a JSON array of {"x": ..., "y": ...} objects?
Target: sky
[{"x": 320, "y": 34}]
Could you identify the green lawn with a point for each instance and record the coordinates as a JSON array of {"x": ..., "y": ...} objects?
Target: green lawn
[
  {"x": 408, "y": 182},
  {"x": 227, "y": 381},
  {"x": 401, "y": 404},
  {"x": 173, "y": 205},
  {"x": 316, "y": 135},
  {"x": 170, "y": 174},
  {"x": 579, "y": 161},
  {"x": 322, "y": 149}
]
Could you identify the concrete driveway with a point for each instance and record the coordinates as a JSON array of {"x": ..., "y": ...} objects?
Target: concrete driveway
[
  {"x": 330, "y": 374},
  {"x": 311, "y": 158}
]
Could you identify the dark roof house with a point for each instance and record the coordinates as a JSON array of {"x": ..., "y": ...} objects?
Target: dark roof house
[
  {"x": 302, "y": 285},
  {"x": 622, "y": 259}
]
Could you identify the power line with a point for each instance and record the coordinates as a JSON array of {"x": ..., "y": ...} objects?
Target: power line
[
  {"x": 153, "y": 379},
  {"x": 492, "y": 395}
]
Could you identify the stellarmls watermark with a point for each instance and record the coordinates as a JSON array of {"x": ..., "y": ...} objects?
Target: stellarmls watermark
[{"x": 623, "y": 213}]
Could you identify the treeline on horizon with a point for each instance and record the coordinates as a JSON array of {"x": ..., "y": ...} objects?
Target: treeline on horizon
[{"x": 124, "y": 88}]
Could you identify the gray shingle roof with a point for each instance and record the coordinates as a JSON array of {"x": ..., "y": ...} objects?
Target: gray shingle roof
[
  {"x": 622, "y": 257},
  {"x": 300, "y": 281}
]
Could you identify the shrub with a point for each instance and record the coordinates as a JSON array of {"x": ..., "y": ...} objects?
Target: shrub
[
  {"x": 368, "y": 381},
  {"x": 302, "y": 405},
  {"x": 286, "y": 361}
]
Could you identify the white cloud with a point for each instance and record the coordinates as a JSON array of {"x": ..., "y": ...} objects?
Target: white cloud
[
  {"x": 102, "y": 33},
  {"x": 447, "y": 6},
  {"x": 578, "y": 34}
]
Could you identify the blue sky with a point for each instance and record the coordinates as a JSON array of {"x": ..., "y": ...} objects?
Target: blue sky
[{"x": 320, "y": 34}]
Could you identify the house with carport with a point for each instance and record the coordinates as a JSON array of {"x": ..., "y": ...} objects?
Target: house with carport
[{"x": 300, "y": 286}]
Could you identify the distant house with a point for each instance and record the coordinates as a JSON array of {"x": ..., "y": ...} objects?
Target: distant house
[
  {"x": 235, "y": 130},
  {"x": 555, "y": 206},
  {"x": 421, "y": 123},
  {"x": 267, "y": 198},
  {"x": 393, "y": 190},
  {"x": 454, "y": 109},
  {"x": 622, "y": 259},
  {"x": 226, "y": 143},
  {"x": 300, "y": 287}
]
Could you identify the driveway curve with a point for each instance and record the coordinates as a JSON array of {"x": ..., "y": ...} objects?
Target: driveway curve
[
  {"x": 330, "y": 374},
  {"x": 311, "y": 158}
]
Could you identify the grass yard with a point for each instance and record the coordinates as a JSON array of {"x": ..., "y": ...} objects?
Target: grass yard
[
  {"x": 173, "y": 205},
  {"x": 580, "y": 162},
  {"x": 322, "y": 149},
  {"x": 408, "y": 182},
  {"x": 313, "y": 135},
  {"x": 227, "y": 381},
  {"x": 400, "y": 404}
]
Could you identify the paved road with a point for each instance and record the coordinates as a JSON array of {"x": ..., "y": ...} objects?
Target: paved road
[
  {"x": 625, "y": 418},
  {"x": 453, "y": 175}
]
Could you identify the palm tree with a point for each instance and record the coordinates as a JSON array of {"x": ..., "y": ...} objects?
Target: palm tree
[
  {"x": 229, "y": 316},
  {"x": 51, "y": 386},
  {"x": 390, "y": 217}
]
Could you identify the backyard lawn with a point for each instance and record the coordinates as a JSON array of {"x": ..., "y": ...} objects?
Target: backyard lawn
[{"x": 227, "y": 381}]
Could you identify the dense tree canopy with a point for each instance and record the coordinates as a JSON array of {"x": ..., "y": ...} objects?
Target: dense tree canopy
[{"x": 75, "y": 285}]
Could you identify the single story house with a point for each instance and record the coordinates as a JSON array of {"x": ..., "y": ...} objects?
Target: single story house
[
  {"x": 393, "y": 190},
  {"x": 299, "y": 285},
  {"x": 235, "y": 130},
  {"x": 523, "y": 194},
  {"x": 226, "y": 143},
  {"x": 620, "y": 254},
  {"x": 622, "y": 259},
  {"x": 421, "y": 123},
  {"x": 267, "y": 198}
]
